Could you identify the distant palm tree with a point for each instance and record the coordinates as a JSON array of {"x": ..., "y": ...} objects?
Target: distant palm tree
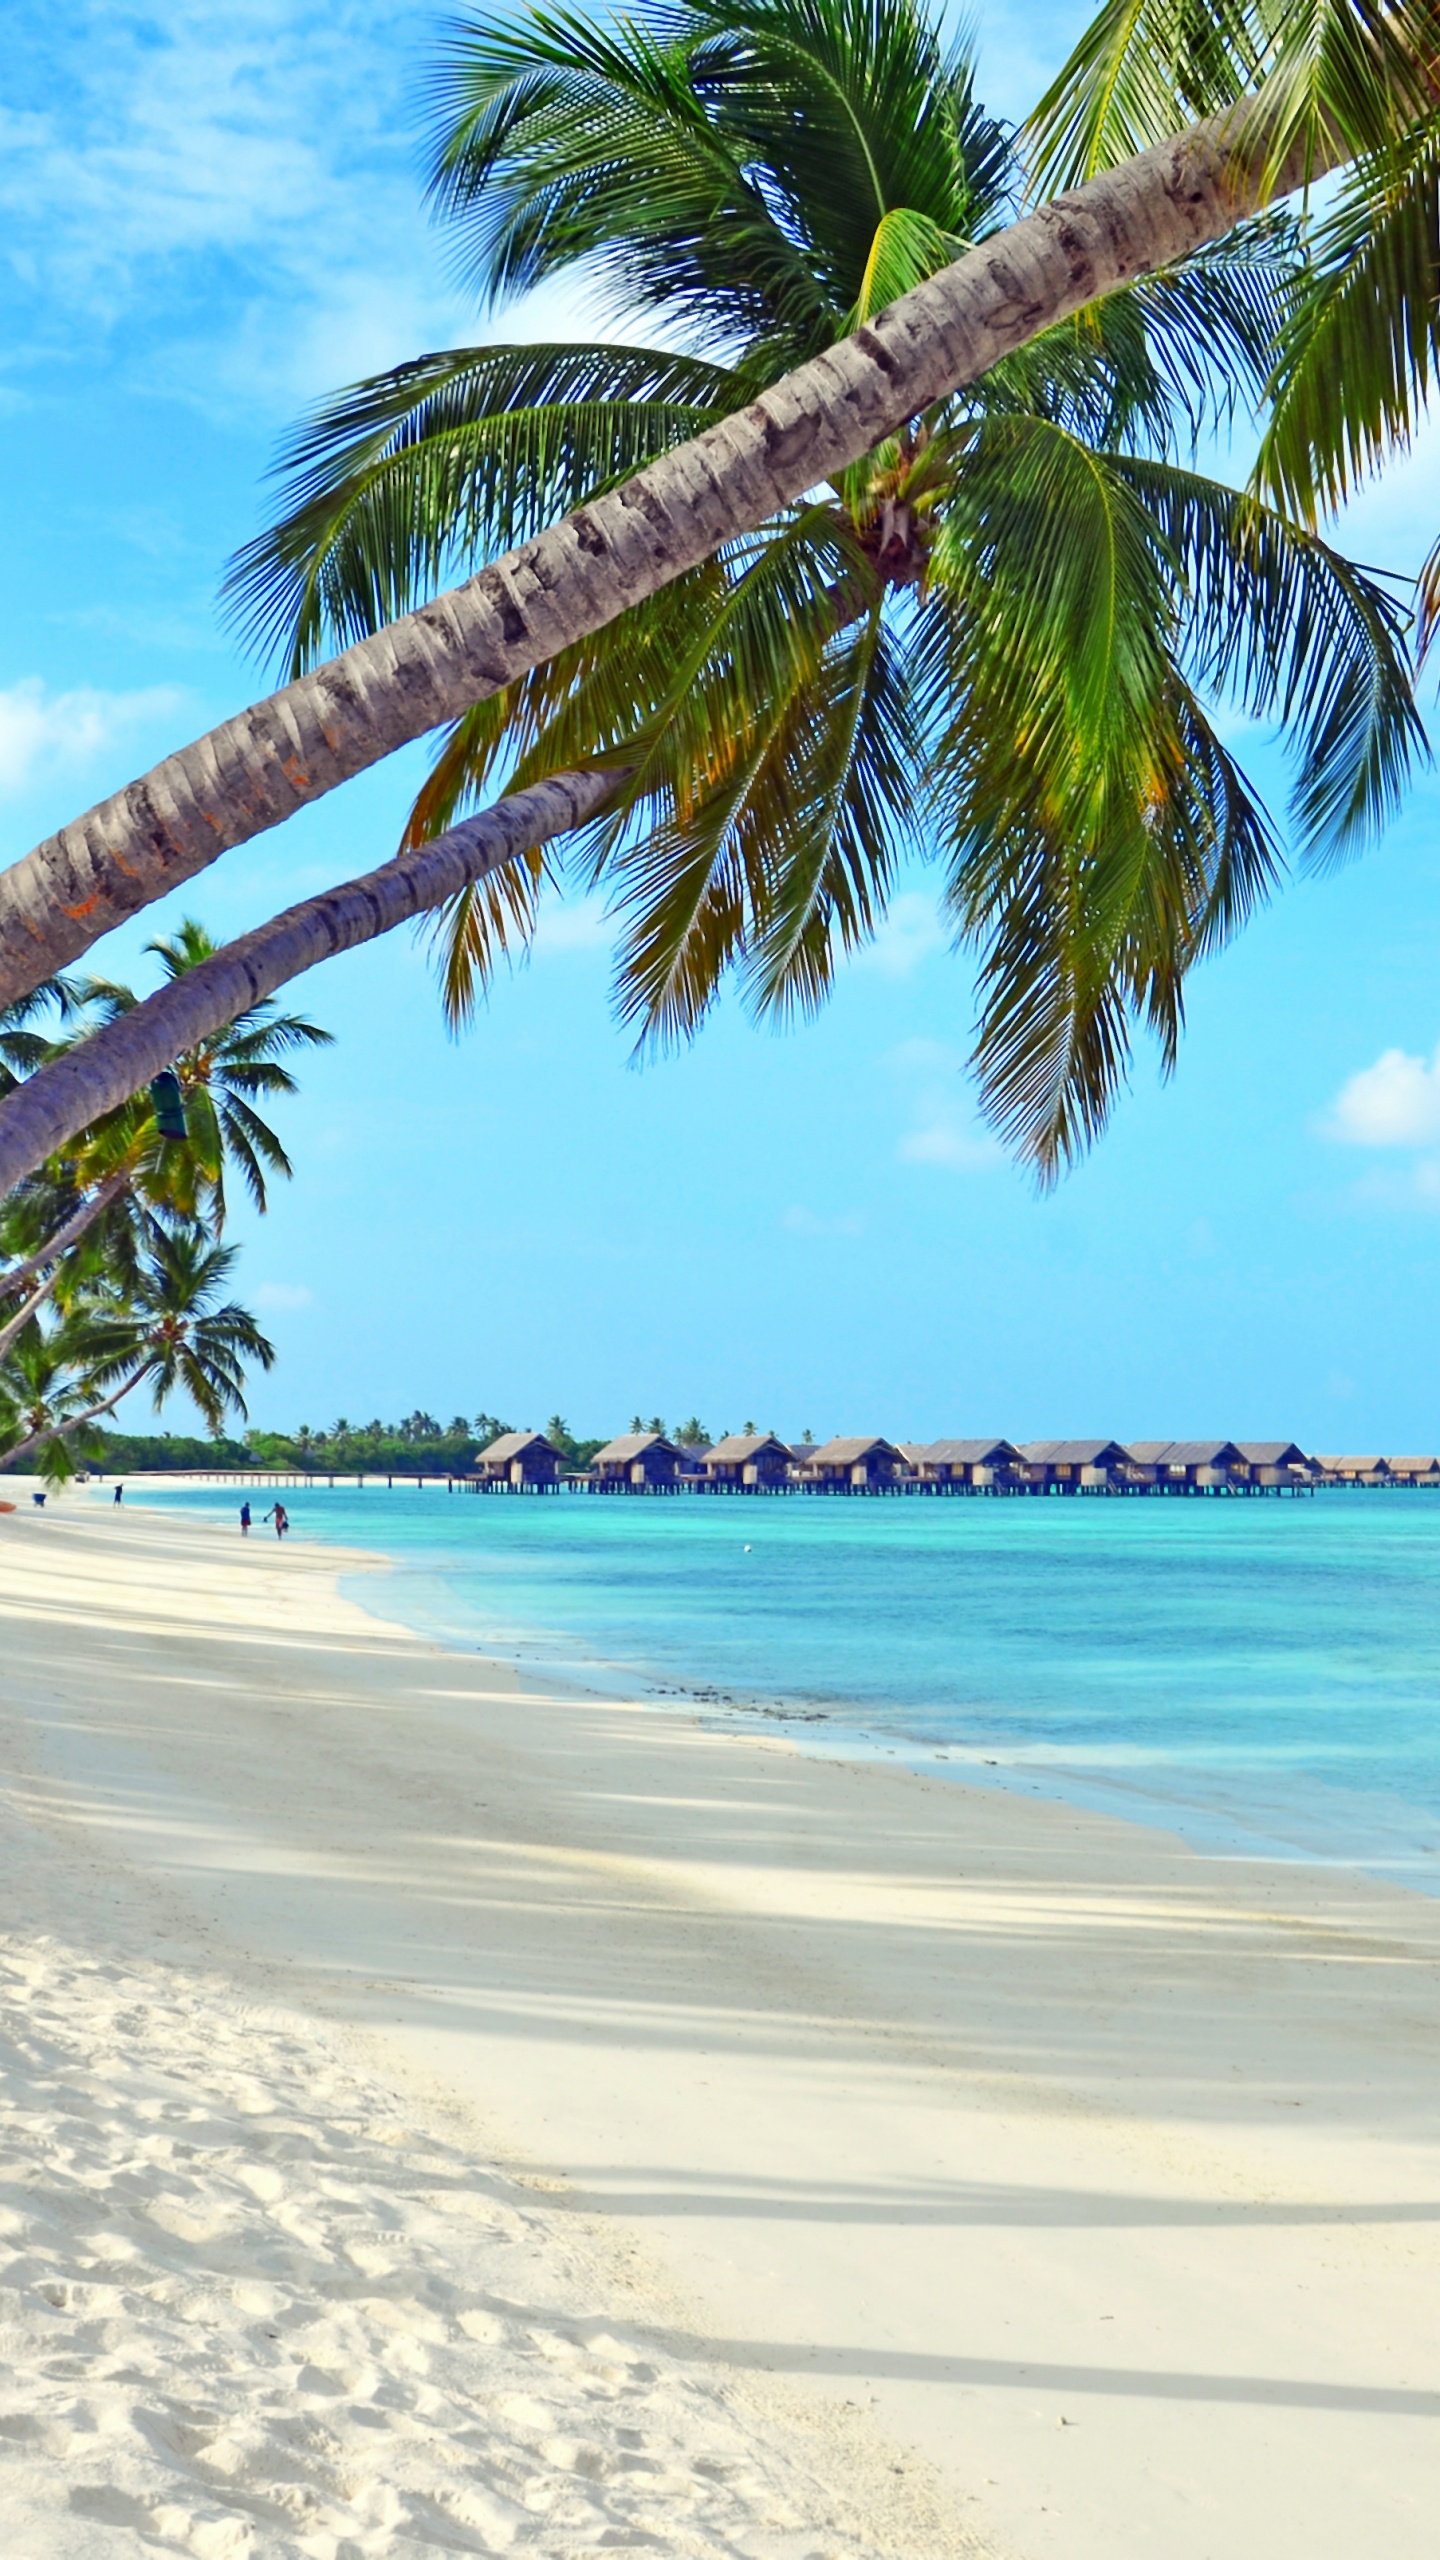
[
  {"x": 45, "y": 1394},
  {"x": 222, "y": 1078},
  {"x": 995, "y": 640},
  {"x": 103, "y": 1203},
  {"x": 170, "y": 1331},
  {"x": 23, "y": 1047}
]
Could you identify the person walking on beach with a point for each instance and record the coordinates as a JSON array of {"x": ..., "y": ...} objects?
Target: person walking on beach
[
  {"x": 119, "y": 1493},
  {"x": 244, "y": 1519},
  {"x": 281, "y": 1518}
]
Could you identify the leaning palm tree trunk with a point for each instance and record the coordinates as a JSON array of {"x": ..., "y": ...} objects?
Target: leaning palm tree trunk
[
  {"x": 254, "y": 771},
  {"x": 99, "y": 1072}
]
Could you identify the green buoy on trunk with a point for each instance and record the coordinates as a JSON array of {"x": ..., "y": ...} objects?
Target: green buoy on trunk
[{"x": 169, "y": 1104}]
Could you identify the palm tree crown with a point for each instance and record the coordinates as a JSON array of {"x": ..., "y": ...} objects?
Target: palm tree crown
[
  {"x": 172, "y": 1330},
  {"x": 995, "y": 642},
  {"x": 220, "y": 1082}
]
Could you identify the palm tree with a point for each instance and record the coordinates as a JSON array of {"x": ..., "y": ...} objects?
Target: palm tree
[
  {"x": 45, "y": 1395},
  {"x": 221, "y": 1077},
  {"x": 23, "y": 1047},
  {"x": 96, "y": 1208},
  {"x": 994, "y": 637},
  {"x": 1283, "y": 92},
  {"x": 169, "y": 1331}
]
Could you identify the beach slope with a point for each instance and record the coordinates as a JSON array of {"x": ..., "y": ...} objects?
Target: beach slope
[{"x": 962, "y": 2170}]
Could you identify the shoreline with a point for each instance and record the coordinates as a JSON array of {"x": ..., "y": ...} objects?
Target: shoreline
[
  {"x": 1216, "y": 1816},
  {"x": 1089, "y": 2182}
]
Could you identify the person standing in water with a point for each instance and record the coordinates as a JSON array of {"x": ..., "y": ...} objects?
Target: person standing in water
[
  {"x": 244, "y": 1519},
  {"x": 281, "y": 1518},
  {"x": 119, "y": 1492}
]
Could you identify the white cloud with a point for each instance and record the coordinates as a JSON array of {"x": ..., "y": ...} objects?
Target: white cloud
[
  {"x": 947, "y": 1141},
  {"x": 282, "y": 1297},
  {"x": 44, "y": 733},
  {"x": 804, "y": 1222},
  {"x": 945, "y": 1130},
  {"x": 1416, "y": 1186},
  {"x": 1395, "y": 1103},
  {"x": 581, "y": 926},
  {"x": 259, "y": 156},
  {"x": 915, "y": 1057},
  {"x": 909, "y": 932}
]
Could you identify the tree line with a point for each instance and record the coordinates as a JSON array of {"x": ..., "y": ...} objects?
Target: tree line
[{"x": 420, "y": 1445}]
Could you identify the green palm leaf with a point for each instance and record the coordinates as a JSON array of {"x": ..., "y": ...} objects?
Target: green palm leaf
[
  {"x": 1355, "y": 361},
  {"x": 448, "y": 460},
  {"x": 1356, "y": 70},
  {"x": 1279, "y": 621}
]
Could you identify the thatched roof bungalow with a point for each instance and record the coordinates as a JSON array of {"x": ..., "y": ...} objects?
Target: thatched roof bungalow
[
  {"x": 523, "y": 1460},
  {"x": 977, "y": 1463},
  {"x": 1200, "y": 1465},
  {"x": 1363, "y": 1469},
  {"x": 636, "y": 1463},
  {"x": 1414, "y": 1470},
  {"x": 747, "y": 1462},
  {"x": 1272, "y": 1462},
  {"x": 850, "y": 1466},
  {"x": 1069, "y": 1466}
]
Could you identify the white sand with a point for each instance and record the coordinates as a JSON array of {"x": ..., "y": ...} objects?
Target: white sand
[{"x": 944, "y": 2171}]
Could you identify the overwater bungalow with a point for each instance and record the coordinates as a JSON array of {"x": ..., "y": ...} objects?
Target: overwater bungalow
[
  {"x": 1181, "y": 1466},
  {"x": 1265, "y": 1464},
  {"x": 1366, "y": 1469},
  {"x": 747, "y": 1462},
  {"x": 638, "y": 1462},
  {"x": 1069, "y": 1466},
  {"x": 972, "y": 1466},
  {"x": 1414, "y": 1471},
  {"x": 520, "y": 1462},
  {"x": 850, "y": 1466}
]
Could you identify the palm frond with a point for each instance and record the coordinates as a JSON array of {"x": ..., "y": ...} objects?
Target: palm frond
[
  {"x": 1141, "y": 70},
  {"x": 413, "y": 476},
  {"x": 907, "y": 248},
  {"x": 1299, "y": 75},
  {"x": 1169, "y": 361},
  {"x": 1355, "y": 360},
  {"x": 1278, "y": 621},
  {"x": 1077, "y": 942}
]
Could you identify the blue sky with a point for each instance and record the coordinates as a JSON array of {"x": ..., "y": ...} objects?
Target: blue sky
[{"x": 211, "y": 216}]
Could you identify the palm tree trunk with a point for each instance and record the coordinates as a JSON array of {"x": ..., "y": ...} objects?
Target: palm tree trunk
[
  {"x": 41, "y": 1439},
  {"x": 255, "y": 770},
  {"x": 113, "y": 1063},
  {"x": 63, "y": 1237}
]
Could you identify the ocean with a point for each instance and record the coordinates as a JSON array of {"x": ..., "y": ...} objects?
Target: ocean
[{"x": 1260, "y": 1675}]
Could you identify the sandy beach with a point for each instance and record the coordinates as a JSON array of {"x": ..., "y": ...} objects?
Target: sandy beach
[{"x": 444, "y": 2116}]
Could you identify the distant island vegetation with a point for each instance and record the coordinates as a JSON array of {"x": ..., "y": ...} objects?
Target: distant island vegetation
[{"x": 420, "y": 1445}]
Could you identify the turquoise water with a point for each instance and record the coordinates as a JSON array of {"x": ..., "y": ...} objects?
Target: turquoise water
[{"x": 1261, "y": 1675}]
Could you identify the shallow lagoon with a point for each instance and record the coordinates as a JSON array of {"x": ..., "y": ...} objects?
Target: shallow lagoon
[{"x": 1260, "y": 1674}]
